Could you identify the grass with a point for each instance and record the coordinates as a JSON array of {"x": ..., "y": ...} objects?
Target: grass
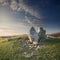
[{"x": 12, "y": 50}]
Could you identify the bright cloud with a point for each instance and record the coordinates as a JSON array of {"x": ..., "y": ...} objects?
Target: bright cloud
[{"x": 14, "y": 5}]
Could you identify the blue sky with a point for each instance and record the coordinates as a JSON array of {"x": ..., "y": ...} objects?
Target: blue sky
[{"x": 17, "y": 16}]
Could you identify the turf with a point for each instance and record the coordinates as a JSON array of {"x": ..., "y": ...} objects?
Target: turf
[{"x": 11, "y": 50}]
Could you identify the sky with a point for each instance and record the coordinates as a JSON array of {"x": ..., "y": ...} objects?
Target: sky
[{"x": 18, "y": 16}]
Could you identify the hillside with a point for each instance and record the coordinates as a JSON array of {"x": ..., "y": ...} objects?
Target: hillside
[
  {"x": 19, "y": 49},
  {"x": 55, "y": 34}
]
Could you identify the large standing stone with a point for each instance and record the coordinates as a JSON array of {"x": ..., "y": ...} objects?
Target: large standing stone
[
  {"x": 36, "y": 37},
  {"x": 41, "y": 34},
  {"x": 33, "y": 35}
]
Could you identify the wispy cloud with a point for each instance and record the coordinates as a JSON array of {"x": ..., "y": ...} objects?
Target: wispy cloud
[
  {"x": 14, "y": 5},
  {"x": 12, "y": 25},
  {"x": 2, "y": 1},
  {"x": 5, "y": 32},
  {"x": 18, "y": 6}
]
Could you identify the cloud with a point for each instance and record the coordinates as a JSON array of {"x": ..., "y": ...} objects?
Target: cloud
[
  {"x": 19, "y": 6},
  {"x": 28, "y": 20},
  {"x": 6, "y": 32},
  {"x": 2, "y": 1},
  {"x": 31, "y": 22},
  {"x": 28, "y": 9},
  {"x": 5, "y": 4},
  {"x": 14, "y": 5}
]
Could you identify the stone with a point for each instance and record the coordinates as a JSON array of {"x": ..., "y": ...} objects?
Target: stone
[
  {"x": 33, "y": 36},
  {"x": 37, "y": 37}
]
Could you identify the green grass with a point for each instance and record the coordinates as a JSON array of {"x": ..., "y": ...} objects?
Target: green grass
[{"x": 11, "y": 50}]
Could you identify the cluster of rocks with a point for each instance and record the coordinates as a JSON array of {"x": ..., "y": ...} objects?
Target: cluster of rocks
[
  {"x": 37, "y": 37},
  {"x": 35, "y": 40},
  {"x": 29, "y": 47}
]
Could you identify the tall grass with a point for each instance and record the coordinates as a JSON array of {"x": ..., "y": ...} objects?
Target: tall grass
[{"x": 13, "y": 50}]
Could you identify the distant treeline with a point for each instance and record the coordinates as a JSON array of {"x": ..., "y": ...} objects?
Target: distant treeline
[{"x": 55, "y": 34}]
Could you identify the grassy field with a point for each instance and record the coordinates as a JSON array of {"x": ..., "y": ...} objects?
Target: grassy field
[{"x": 11, "y": 50}]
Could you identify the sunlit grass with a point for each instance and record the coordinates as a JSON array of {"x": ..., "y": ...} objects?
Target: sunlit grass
[
  {"x": 11, "y": 50},
  {"x": 1, "y": 40}
]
